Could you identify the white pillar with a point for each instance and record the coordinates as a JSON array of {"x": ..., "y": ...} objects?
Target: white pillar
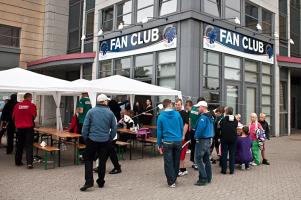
[{"x": 289, "y": 102}]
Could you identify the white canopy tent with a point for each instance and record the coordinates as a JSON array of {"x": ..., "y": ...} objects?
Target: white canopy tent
[
  {"x": 21, "y": 80},
  {"x": 121, "y": 85}
]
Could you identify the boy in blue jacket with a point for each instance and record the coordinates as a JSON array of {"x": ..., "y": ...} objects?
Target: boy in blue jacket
[
  {"x": 203, "y": 135},
  {"x": 169, "y": 139}
]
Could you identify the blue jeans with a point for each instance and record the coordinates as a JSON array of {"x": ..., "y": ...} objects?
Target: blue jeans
[
  {"x": 172, "y": 152},
  {"x": 202, "y": 159}
]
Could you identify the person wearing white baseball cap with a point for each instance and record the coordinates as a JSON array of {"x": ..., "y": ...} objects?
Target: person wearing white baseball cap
[
  {"x": 99, "y": 130},
  {"x": 203, "y": 135}
]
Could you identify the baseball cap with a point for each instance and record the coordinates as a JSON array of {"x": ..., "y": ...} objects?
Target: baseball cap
[
  {"x": 202, "y": 103},
  {"x": 103, "y": 97}
]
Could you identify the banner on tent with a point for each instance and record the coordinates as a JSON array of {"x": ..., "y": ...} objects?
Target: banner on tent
[
  {"x": 222, "y": 40},
  {"x": 155, "y": 39}
]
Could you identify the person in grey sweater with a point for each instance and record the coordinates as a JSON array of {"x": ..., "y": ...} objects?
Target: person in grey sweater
[{"x": 98, "y": 131}]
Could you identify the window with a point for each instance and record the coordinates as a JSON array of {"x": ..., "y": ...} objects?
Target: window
[
  {"x": 124, "y": 13},
  {"x": 166, "y": 70},
  {"x": 90, "y": 25},
  {"x": 87, "y": 71},
  {"x": 74, "y": 26},
  {"x": 211, "y": 71},
  {"x": 107, "y": 19},
  {"x": 251, "y": 71},
  {"x": 266, "y": 22},
  {"x": 295, "y": 27},
  {"x": 123, "y": 67},
  {"x": 167, "y": 6},
  {"x": 232, "y": 9},
  {"x": 266, "y": 91},
  {"x": 9, "y": 36},
  {"x": 232, "y": 68},
  {"x": 145, "y": 8},
  {"x": 213, "y": 7},
  {"x": 90, "y": 4},
  {"x": 283, "y": 40},
  {"x": 143, "y": 66},
  {"x": 251, "y": 16},
  {"x": 105, "y": 68}
]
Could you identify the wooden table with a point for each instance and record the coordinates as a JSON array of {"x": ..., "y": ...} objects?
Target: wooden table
[
  {"x": 128, "y": 132},
  {"x": 150, "y": 126},
  {"x": 60, "y": 135}
]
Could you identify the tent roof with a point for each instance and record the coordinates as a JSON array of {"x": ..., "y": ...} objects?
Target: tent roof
[
  {"x": 121, "y": 85},
  {"x": 21, "y": 80}
]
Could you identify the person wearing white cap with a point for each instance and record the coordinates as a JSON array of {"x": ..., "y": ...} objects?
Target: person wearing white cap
[
  {"x": 203, "y": 135},
  {"x": 99, "y": 129}
]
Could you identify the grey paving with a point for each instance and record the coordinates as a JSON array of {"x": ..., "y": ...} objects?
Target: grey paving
[{"x": 144, "y": 179}]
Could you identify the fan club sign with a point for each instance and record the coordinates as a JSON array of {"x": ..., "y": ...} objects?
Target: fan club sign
[
  {"x": 222, "y": 40},
  {"x": 155, "y": 39}
]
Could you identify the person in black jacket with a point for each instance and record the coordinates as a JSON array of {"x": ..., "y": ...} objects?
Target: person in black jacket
[
  {"x": 266, "y": 128},
  {"x": 228, "y": 126},
  {"x": 6, "y": 117}
]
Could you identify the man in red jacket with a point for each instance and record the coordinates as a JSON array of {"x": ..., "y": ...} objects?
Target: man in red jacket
[{"x": 24, "y": 114}]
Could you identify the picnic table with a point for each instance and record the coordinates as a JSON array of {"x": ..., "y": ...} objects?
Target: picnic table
[
  {"x": 133, "y": 135},
  {"x": 52, "y": 132},
  {"x": 150, "y": 126}
]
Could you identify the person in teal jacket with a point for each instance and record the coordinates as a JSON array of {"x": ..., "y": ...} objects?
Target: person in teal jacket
[{"x": 169, "y": 140}]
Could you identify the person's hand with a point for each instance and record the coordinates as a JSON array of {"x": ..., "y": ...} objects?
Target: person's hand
[{"x": 160, "y": 149}]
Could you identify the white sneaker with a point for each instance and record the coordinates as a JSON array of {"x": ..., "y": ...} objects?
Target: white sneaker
[
  {"x": 188, "y": 151},
  {"x": 173, "y": 185},
  {"x": 253, "y": 164},
  {"x": 180, "y": 173},
  {"x": 243, "y": 167},
  {"x": 183, "y": 173}
]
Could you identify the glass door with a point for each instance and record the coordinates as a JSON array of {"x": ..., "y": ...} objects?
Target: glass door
[
  {"x": 233, "y": 97},
  {"x": 251, "y": 102},
  {"x": 283, "y": 108}
]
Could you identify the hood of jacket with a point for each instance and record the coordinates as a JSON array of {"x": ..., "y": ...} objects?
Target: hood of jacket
[{"x": 169, "y": 114}]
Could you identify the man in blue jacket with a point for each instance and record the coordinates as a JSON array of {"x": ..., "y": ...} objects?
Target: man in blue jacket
[
  {"x": 99, "y": 129},
  {"x": 169, "y": 139},
  {"x": 203, "y": 135}
]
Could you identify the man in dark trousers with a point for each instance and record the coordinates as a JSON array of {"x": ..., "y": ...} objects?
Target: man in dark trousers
[
  {"x": 6, "y": 118},
  {"x": 228, "y": 127},
  {"x": 24, "y": 115},
  {"x": 169, "y": 140},
  {"x": 98, "y": 131}
]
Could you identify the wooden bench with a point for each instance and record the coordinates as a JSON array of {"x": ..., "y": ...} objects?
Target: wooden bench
[
  {"x": 78, "y": 150},
  {"x": 149, "y": 141},
  {"x": 48, "y": 151},
  {"x": 120, "y": 145}
]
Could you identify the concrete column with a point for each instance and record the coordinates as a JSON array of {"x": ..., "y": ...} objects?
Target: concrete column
[
  {"x": 189, "y": 57},
  {"x": 289, "y": 101}
]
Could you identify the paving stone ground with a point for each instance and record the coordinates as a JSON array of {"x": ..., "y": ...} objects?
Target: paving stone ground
[{"x": 144, "y": 179}]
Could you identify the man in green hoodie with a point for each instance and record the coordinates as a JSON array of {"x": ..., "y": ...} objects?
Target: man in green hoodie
[{"x": 169, "y": 140}]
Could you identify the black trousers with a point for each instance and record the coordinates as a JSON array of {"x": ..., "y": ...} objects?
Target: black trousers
[
  {"x": 113, "y": 155},
  {"x": 24, "y": 139},
  {"x": 93, "y": 151},
  {"x": 10, "y": 129},
  {"x": 192, "y": 145},
  {"x": 228, "y": 147}
]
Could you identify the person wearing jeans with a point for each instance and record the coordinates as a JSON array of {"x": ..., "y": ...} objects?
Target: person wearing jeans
[
  {"x": 99, "y": 129},
  {"x": 203, "y": 136},
  {"x": 202, "y": 157},
  {"x": 172, "y": 152},
  {"x": 169, "y": 140}
]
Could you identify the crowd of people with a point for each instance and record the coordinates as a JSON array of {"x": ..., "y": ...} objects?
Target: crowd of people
[
  {"x": 180, "y": 127},
  {"x": 204, "y": 131}
]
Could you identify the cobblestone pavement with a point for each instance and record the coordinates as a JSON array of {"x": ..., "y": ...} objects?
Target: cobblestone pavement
[{"x": 144, "y": 179}]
